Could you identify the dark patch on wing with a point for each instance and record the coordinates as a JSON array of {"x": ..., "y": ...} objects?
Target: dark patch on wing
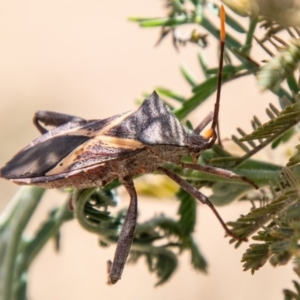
[
  {"x": 85, "y": 128},
  {"x": 64, "y": 129},
  {"x": 37, "y": 160}
]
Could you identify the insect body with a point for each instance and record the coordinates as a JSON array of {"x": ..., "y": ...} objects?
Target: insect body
[
  {"x": 84, "y": 153},
  {"x": 79, "y": 153}
]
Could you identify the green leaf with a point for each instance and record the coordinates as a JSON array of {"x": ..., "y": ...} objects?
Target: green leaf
[
  {"x": 177, "y": 6},
  {"x": 188, "y": 76},
  {"x": 222, "y": 195},
  {"x": 255, "y": 257},
  {"x": 290, "y": 295},
  {"x": 13, "y": 221},
  {"x": 207, "y": 88},
  {"x": 197, "y": 259},
  {"x": 160, "y": 261},
  {"x": 171, "y": 94},
  {"x": 187, "y": 212},
  {"x": 287, "y": 118},
  {"x": 280, "y": 67},
  {"x": 284, "y": 138},
  {"x": 250, "y": 34},
  {"x": 295, "y": 159},
  {"x": 292, "y": 83},
  {"x": 166, "y": 264},
  {"x": 21, "y": 287},
  {"x": 47, "y": 230},
  {"x": 228, "y": 69},
  {"x": 155, "y": 22},
  {"x": 278, "y": 220},
  {"x": 202, "y": 63}
]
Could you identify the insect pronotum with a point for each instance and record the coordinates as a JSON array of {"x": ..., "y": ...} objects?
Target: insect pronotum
[{"x": 79, "y": 153}]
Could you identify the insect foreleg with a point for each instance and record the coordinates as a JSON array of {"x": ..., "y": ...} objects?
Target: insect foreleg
[
  {"x": 219, "y": 172},
  {"x": 53, "y": 119},
  {"x": 126, "y": 235},
  {"x": 199, "y": 196}
]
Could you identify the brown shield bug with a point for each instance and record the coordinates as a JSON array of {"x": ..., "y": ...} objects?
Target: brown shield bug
[{"x": 79, "y": 153}]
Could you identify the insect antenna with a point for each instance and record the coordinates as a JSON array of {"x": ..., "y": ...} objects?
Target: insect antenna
[
  {"x": 215, "y": 128},
  {"x": 212, "y": 135}
]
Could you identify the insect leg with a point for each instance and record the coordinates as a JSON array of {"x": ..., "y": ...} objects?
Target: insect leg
[
  {"x": 199, "y": 196},
  {"x": 126, "y": 235},
  {"x": 219, "y": 172},
  {"x": 53, "y": 119}
]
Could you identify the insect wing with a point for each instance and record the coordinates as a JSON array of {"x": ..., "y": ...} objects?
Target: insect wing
[
  {"x": 84, "y": 144},
  {"x": 96, "y": 151},
  {"x": 72, "y": 146},
  {"x": 36, "y": 161}
]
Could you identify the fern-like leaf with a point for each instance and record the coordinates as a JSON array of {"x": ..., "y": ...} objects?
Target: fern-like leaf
[
  {"x": 291, "y": 295},
  {"x": 281, "y": 235},
  {"x": 286, "y": 119},
  {"x": 295, "y": 159},
  {"x": 278, "y": 129}
]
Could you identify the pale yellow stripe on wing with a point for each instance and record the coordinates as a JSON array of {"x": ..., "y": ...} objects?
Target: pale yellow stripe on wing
[
  {"x": 115, "y": 142},
  {"x": 84, "y": 132},
  {"x": 114, "y": 123},
  {"x": 103, "y": 141}
]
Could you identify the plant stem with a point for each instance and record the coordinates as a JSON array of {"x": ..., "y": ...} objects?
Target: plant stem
[{"x": 25, "y": 202}]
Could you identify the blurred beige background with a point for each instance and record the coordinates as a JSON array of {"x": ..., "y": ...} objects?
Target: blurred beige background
[{"x": 85, "y": 58}]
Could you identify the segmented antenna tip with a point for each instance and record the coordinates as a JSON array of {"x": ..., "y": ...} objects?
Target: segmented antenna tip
[{"x": 222, "y": 19}]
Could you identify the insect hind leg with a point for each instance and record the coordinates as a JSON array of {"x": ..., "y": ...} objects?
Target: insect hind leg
[{"x": 53, "y": 119}]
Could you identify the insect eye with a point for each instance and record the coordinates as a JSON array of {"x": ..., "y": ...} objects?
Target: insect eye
[{"x": 196, "y": 149}]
